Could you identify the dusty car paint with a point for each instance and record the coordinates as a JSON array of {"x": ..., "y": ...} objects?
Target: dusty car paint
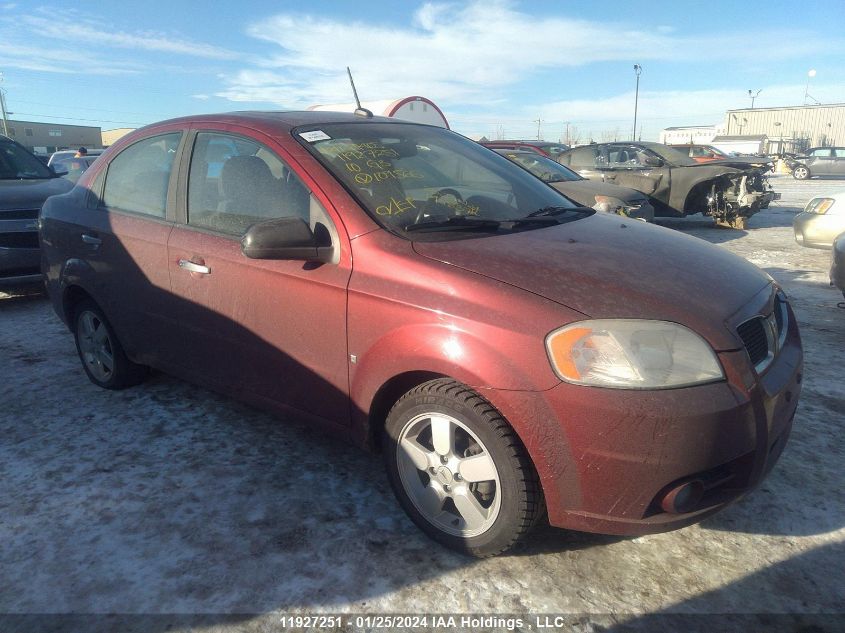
[{"x": 339, "y": 344}]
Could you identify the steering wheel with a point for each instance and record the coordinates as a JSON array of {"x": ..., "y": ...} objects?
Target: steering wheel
[{"x": 435, "y": 199}]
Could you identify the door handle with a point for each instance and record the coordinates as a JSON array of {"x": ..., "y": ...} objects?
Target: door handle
[
  {"x": 194, "y": 268},
  {"x": 91, "y": 239}
]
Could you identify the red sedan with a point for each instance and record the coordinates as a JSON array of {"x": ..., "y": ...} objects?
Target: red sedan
[{"x": 512, "y": 355}]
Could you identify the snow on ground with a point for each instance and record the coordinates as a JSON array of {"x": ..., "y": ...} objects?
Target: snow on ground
[{"x": 169, "y": 499}]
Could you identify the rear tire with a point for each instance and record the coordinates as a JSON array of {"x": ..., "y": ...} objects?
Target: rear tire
[
  {"x": 459, "y": 470},
  {"x": 801, "y": 173},
  {"x": 101, "y": 353}
]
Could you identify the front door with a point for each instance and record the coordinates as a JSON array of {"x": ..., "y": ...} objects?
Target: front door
[{"x": 273, "y": 329}]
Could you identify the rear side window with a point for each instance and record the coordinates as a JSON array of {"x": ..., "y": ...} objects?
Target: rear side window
[
  {"x": 235, "y": 182},
  {"x": 583, "y": 158},
  {"x": 823, "y": 153},
  {"x": 137, "y": 178}
]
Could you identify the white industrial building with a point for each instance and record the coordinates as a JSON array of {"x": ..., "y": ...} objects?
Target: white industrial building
[{"x": 767, "y": 130}]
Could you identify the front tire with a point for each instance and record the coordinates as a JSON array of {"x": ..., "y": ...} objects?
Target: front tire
[
  {"x": 459, "y": 470},
  {"x": 100, "y": 351},
  {"x": 801, "y": 173}
]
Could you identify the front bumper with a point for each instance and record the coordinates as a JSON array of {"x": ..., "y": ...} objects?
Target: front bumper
[
  {"x": 20, "y": 259},
  {"x": 607, "y": 457},
  {"x": 817, "y": 230}
]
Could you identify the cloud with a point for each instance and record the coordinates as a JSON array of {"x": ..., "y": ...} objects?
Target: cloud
[
  {"x": 74, "y": 27},
  {"x": 455, "y": 53},
  {"x": 17, "y": 53}
]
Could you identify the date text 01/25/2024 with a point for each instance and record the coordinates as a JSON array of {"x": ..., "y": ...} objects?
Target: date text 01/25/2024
[{"x": 429, "y": 622}]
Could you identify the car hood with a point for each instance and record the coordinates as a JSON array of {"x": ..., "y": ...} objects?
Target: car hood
[
  {"x": 585, "y": 191},
  {"x": 605, "y": 267},
  {"x": 30, "y": 194},
  {"x": 741, "y": 162}
]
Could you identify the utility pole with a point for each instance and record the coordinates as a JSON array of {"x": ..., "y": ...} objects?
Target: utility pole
[
  {"x": 3, "y": 108},
  {"x": 538, "y": 121},
  {"x": 637, "y": 71},
  {"x": 567, "y": 133}
]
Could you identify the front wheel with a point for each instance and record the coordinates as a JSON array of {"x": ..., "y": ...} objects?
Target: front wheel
[
  {"x": 459, "y": 470},
  {"x": 800, "y": 173},
  {"x": 101, "y": 353}
]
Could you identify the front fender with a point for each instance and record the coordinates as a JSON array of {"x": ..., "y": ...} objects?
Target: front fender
[
  {"x": 685, "y": 179},
  {"x": 444, "y": 350}
]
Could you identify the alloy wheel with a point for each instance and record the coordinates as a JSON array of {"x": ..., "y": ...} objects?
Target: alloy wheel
[
  {"x": 95, "y": 346},
  {"x": 448, "y": 474}
]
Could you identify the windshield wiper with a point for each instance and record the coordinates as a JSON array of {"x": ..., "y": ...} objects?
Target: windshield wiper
[
  {"x": 553, "y": 211},
  {"x": 458, "y": 223}
]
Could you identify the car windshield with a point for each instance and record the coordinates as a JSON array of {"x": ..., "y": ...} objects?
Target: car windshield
[
  {"x": 18, "y": 164},
  {"x": 415, "y": 179},
  {"x": 671, "y": 155},
  {"x": 544, "y": 168}
]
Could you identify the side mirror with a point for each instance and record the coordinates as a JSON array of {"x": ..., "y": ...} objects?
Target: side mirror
[
  {"x": 286, "y": 238},
  {"x": 653, "y": 161}
]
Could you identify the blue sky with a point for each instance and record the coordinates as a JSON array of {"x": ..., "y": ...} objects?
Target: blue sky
[{"x": 494, "y": 67}]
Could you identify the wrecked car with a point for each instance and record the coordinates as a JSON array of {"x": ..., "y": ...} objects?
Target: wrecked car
[
  {"x": 600, "y": 196},
  {"x": 677, "y": 185}
]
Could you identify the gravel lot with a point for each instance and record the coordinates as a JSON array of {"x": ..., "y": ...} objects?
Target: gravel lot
[{"x": 168, "y": 499}]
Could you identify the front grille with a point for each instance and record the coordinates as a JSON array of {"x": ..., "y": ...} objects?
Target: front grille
[
  {"x": 764, "y": 336},
  {"x": 753, "y": 335},
  {"x": 19, "y": 214},
  {"x": 19, "y": 240}
]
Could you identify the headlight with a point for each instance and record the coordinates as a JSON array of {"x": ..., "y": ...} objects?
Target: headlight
[
  {"x": 631, "y": 354},
  {"x": 608, "y": 204},
  {"x": 819, "y": 205}
]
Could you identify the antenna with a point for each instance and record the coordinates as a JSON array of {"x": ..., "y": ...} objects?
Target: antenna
[{"x": 359, "y": 111}]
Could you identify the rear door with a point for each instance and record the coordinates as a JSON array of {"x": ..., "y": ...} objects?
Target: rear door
[
  {"x": 273, "y": 330},
  {"x": 838, "y": 167},
  {"x": 122, "y": 233},
  {"x": 822, "y": 162}
]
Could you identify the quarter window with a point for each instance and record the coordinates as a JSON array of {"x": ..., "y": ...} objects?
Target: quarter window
[
  {"x": 137, "y": 178},
  {"x": 235, "y": 182}
]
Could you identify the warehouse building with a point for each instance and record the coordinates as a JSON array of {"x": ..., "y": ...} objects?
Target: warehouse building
[
  {"x": 768, "y": 130},
  {"x": 790, "y": 129},
  {"x": 45, "y": 138}
]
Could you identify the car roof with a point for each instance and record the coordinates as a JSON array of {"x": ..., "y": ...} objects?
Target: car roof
[{"x": 284, "y": 120}]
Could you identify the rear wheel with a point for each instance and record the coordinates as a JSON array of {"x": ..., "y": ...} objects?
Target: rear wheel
[
  {"x": 801, "y": 173},
  {"x": 101, "y": 353},
  {"x": 459, "y": 470}
]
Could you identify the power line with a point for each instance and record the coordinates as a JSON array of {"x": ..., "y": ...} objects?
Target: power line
[{"x": 67, "y": 118}]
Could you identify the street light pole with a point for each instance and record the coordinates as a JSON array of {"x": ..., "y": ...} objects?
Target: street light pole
[
  {"x": 754, "y": 96},
  {"x": 810, "y": 74},
  {"x": 3, "y": 108},
  {"x": 637, "y": 71}
]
